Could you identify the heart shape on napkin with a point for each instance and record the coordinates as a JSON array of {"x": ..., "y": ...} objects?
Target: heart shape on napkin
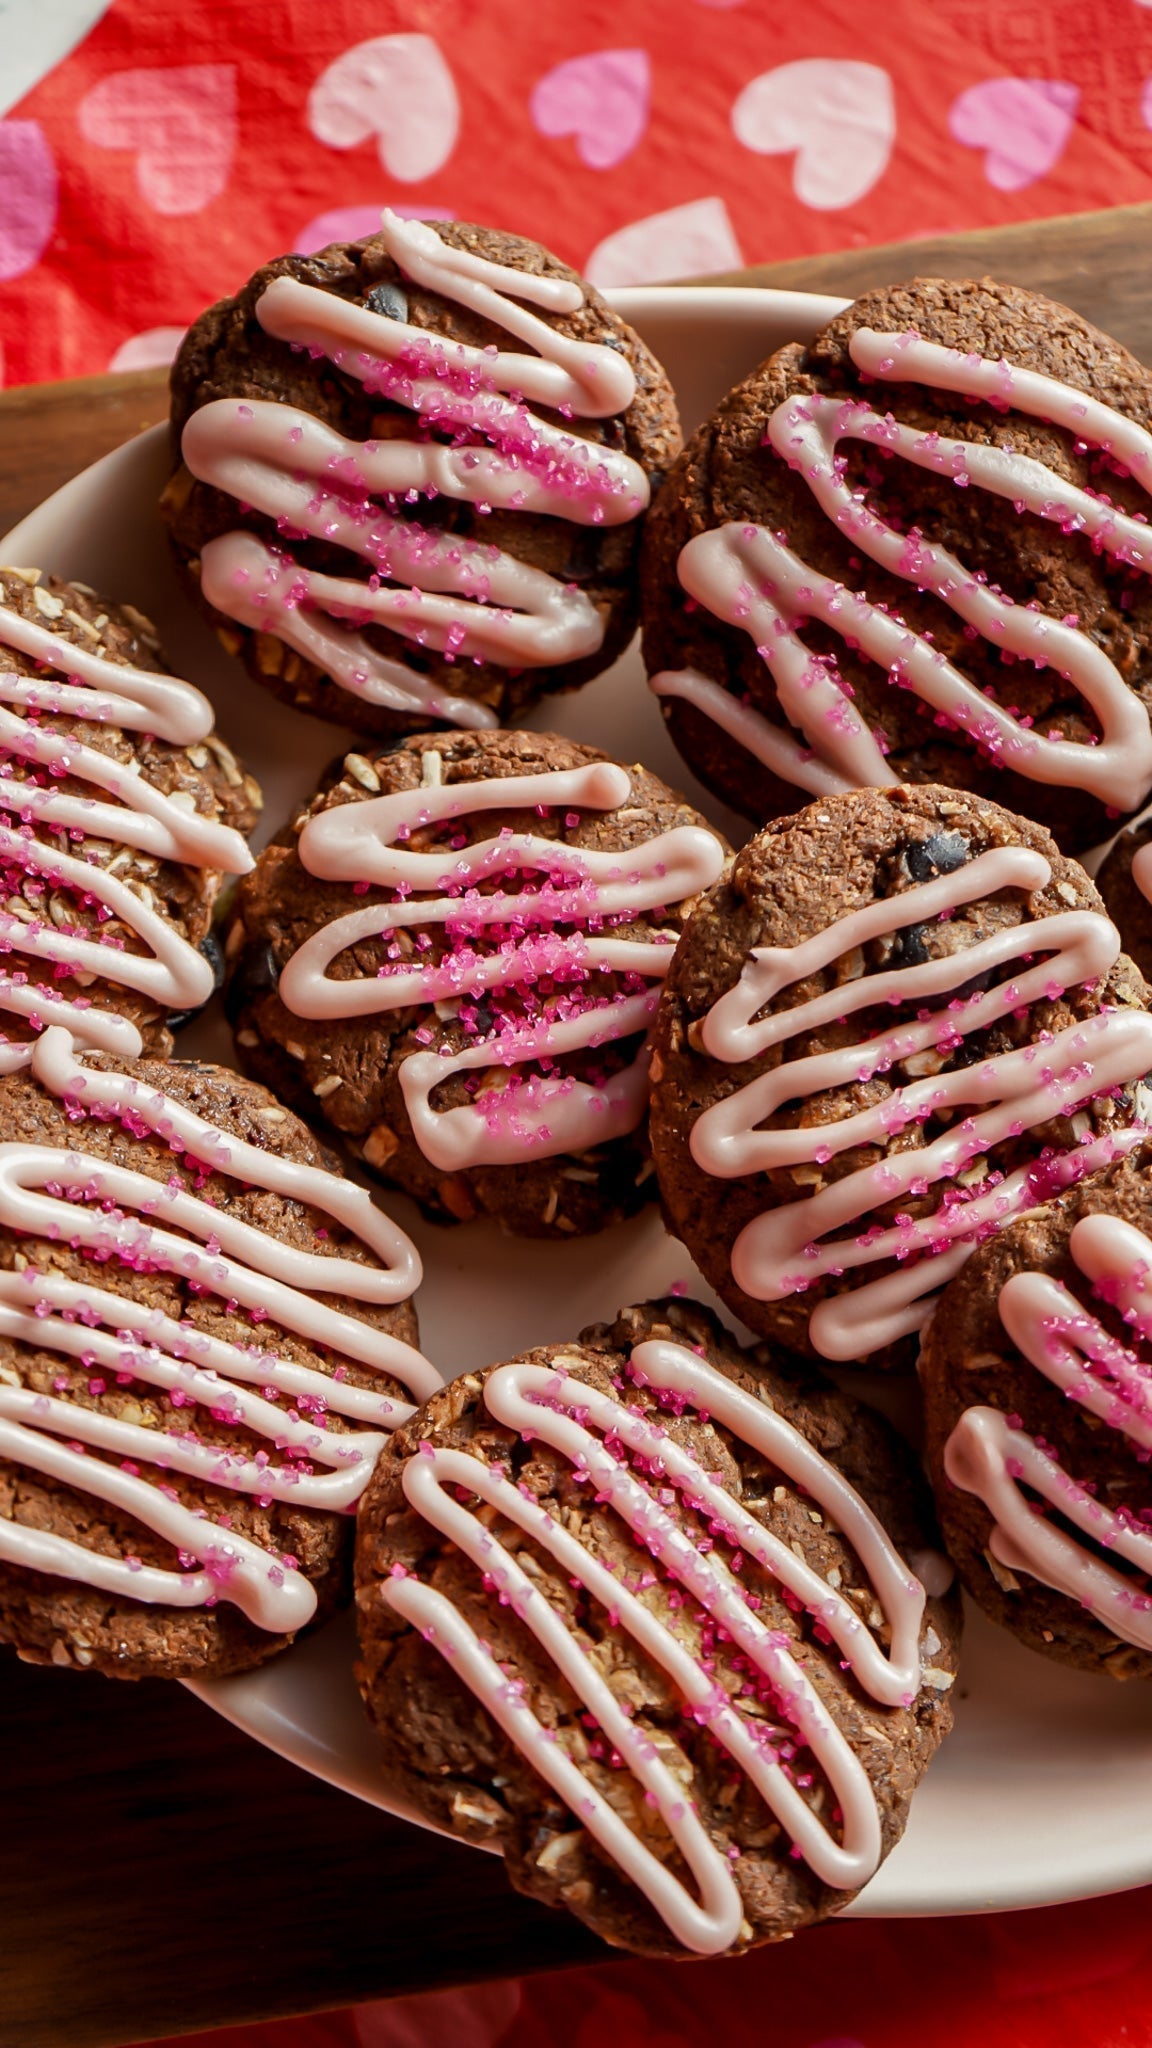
[
  {"x": 353, "y": 223},
  {"x": 35, "y": 37},
  {"x": 601, "y": 99},
  {"x": 1021, "y": 124},
  {"x": 687, "y": 241},
  {"x": 180, "y": 122},
  {"x": 27, "y": 196},
  {"x": 395, "y": 90},
  {"x": 154, "y": 349},
  {"x": 837, "y": 116}
]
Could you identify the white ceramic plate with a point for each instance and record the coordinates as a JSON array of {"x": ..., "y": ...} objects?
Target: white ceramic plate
[{"x": 1044, "y": 1791}]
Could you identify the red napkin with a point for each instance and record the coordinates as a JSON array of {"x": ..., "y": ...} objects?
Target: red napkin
[
  {"x": 1070, "y": 1977},
  {"x": 148, "y": 169}
]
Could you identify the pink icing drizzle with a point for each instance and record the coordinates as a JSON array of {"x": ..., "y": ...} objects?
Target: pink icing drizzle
[
  {"x": 988, "y": 1456},
  {"x": 781, "y": 1252},
  {"x": 582, "y": 1423},
  {"x": 466, "y": 600},
  {"x": 78, "y": 1199},
  {"x": 137, "y": 700},
  {"x": 750, "y": 577},
  {"x": 550, "y": 1113}
]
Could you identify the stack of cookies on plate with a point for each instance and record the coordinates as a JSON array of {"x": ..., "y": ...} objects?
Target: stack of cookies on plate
[{"x": 662, "y": 1613}]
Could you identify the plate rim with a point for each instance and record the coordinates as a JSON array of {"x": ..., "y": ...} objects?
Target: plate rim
[{"x": 736, "y": 307}]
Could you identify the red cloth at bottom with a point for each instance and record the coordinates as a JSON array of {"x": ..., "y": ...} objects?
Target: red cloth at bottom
[{"x": 1065, "y": 1977}]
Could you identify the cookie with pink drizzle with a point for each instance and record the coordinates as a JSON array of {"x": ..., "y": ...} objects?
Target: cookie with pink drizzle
[
  {"x": 1037, "y": 1377},
  {"x": 900, "y": 1021},
  {"x": 206, "y": 1334},
  {"x": 412, "y": 472},
  {"x": 453, "y": 955},
  {"x": 122, "y": 814},
  {"x": 917, "y": 550},
  {"x": 643, "y": 1615}
]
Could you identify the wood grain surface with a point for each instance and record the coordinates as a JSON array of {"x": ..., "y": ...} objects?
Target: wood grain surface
[
  {"x": 1096, "y": 262},
  {"x": 50, "y": 431},
  {"x": 158, "y": 1871},
  {"x": 161, "y": 1873}
]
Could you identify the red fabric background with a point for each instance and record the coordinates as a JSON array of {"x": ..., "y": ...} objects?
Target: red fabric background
[
  {"x": 1071, "y": 1977},
  {"x": 174, "y": 148},
  {"x": 179, "y": 145}
]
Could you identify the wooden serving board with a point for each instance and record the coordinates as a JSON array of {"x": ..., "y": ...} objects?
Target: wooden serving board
[{"x": 159, "y": 1872}]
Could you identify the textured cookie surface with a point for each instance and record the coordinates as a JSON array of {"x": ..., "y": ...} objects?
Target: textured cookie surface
[
  {"x": 349, "y": 1069},
  {"x": 54, "y": 1619},
  {"x": 1119, "y": 883},
  {"x": 228, "y": 355},
  {"x": 727, "y": 473},
  {"x": 203, "y": 778},
  {"x": 970, "y": 1362},
  {"x": 799, "y": 878},
  {"x": 443, "y": 1753}
]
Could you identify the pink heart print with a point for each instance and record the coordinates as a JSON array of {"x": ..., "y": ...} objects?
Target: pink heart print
[
  {"x": 27, "y": 196},
  {"x": 397, "y": 91},
  {"x": 351, "y": 223},
  {"x": 1021, "y": 124},
  {"x": 180, "y": 122},
  {"x": 154, "y": 349},
  {"x": 601, "y": 99},
  {"x": 836, "y": 116},
  {"x": 686, "y": 241}
]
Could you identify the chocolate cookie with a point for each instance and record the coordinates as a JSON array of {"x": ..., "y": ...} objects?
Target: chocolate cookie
[
  {"x": 121, "y": 814},
  {"x": 411, "y": 474},
  {"x": 205, "y": 1334},
  {"x": 639, "y": 1613},
  {"x": 916, "y": 551},
  {"x": 452, "y": 956},
  {"x": 901, "y": 1019},
  {"x": 1038, "y": 1404},
  {"x": 1125, "y": 883}
]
